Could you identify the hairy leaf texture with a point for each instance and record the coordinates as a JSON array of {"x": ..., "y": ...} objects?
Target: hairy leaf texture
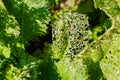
[
  {"x": 13, "y": 58},
  {"x": 15, "y": 63},
  {"x": 31, "y": 15},
  {"x": 9, "y": 33},
  {"x": 110, "y": 7},
  {"x": 72, "y": 69}
]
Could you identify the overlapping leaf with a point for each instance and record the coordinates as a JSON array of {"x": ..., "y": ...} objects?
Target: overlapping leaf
[
  {"x": 31, "y": 15},
  {"x": 17, "y": 26},
  {"x": 102, "y": 57}
]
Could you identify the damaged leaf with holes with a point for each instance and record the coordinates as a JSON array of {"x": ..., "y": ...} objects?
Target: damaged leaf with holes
[
  {"x": 85, "y": 40},
  {"x": 72, "y": 35},
  {"x": 101, "y": 59}
]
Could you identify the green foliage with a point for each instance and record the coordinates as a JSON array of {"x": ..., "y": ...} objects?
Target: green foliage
[
  {"x": 59, "y": 37},
  {"x": 79, "y": 50},
  {"x": 72, "y": 69},
  {"x": 79, "y": 32},
  {"x": 106, "y": 6},
  {"x": 86, "y": 6},
  {"x": 99, "y": 54},
  {"x": 17, "y": 28},
  {"x": 72, "y": 35},
  {"x": 32, "y": 16}
]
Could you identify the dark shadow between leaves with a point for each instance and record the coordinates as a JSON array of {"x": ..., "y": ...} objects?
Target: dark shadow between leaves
[
  {"x": 94, "y": 70},
  {"x": 48, "y": 70},
  {"x": 96, "y": 16}
]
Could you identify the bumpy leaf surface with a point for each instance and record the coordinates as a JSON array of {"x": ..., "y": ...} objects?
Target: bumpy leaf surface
[
  {"x": 101, "y": 60},
  {"x": 32, "y": 16},
  {"x": 20, "y": 22}
]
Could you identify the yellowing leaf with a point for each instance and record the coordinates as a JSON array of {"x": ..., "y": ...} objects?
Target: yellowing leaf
[{"x": 6, "y": 52}]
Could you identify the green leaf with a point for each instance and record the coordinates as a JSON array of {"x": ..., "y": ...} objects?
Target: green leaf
[
  {"x": 106, "y": 49},
  {"x": 5, "y": 51},
  {"x": 100, "y": 60},
  {"x": 13, "y": 57},
  {"x": 110, "y": 7},
  {"x": 72, "y": 69},
  {"x": 75, "y": 54},
  {"x": 71, "y": 34},
  {"x": 32, "y": 16}
]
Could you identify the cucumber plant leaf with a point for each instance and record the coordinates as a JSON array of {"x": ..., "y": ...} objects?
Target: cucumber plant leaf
[
  {"x": 77, "y": 52},
  {"x": 102, "y": 57},
  {"x": 32, "y": 16},
  {"x": 17, "y": 27}
]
